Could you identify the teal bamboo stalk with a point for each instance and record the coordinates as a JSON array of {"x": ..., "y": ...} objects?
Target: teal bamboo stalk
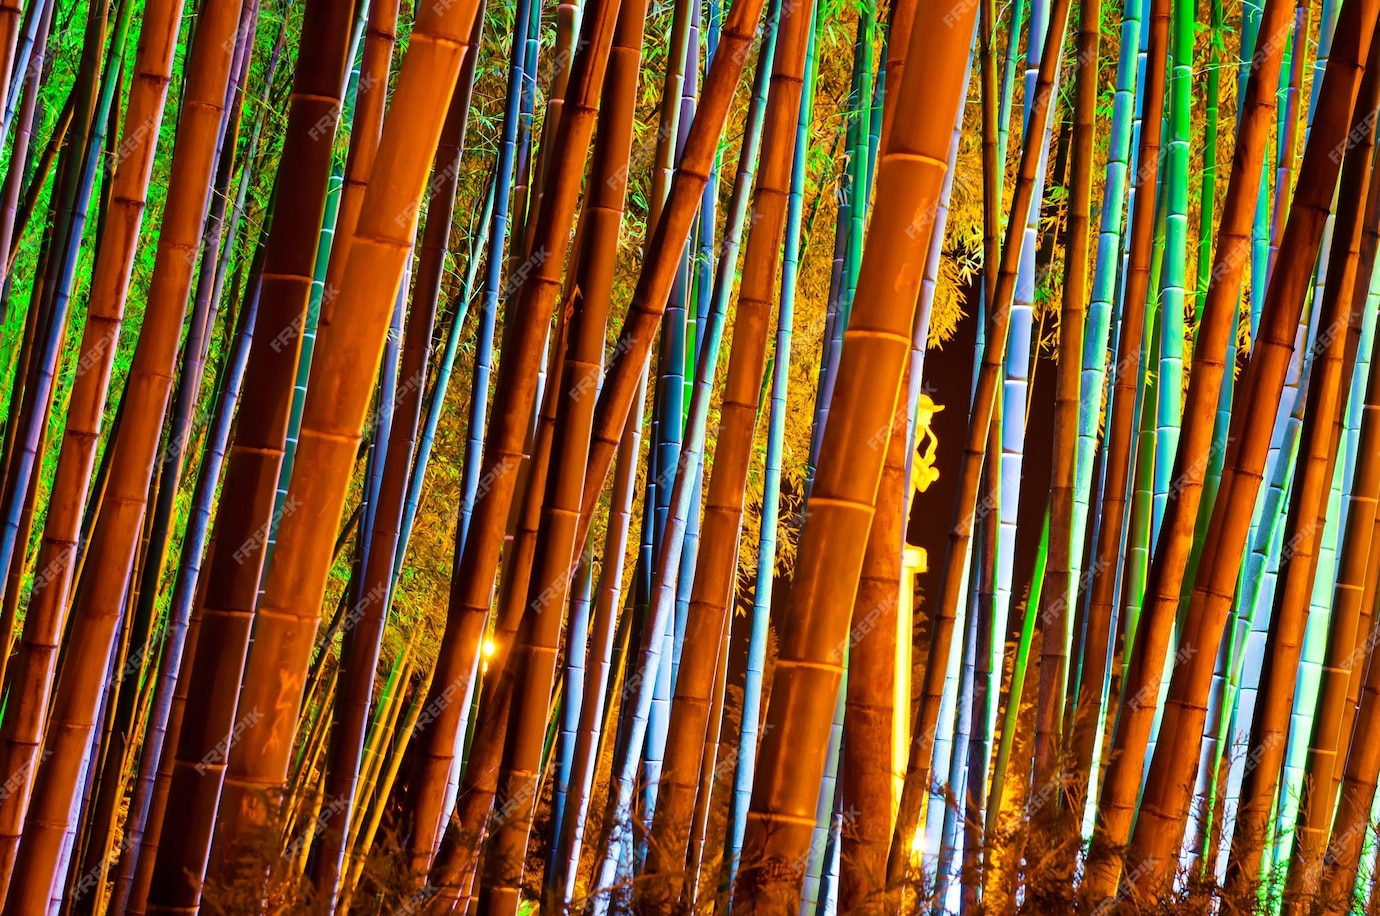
[
  {"x": 1092, "y": 667},
  {"x": 1174, "y": 280},
  {"x": 521, "y": 68},
  {"x": 460, "y": 309}
]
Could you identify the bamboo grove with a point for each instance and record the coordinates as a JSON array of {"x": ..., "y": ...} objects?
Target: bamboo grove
[{"x": 782, "y": 456}]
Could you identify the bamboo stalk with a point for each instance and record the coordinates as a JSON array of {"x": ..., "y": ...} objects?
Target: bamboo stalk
[
  {"x": 366, "y": 635},
  {"x": 910, "y": 174},
  {"x": 244, "y": 521},
  {"x": 352, "y": 335},
  {"x": 923, "y": 730},
  {"x": 716, "y": 568}
]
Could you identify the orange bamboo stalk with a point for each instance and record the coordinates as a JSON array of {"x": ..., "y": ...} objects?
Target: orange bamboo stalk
[
  {"x": 105, "y": 310},
  {"x": 915, "y": 792},
  {"x": 1165, "y": 797},
  {"x": 868, "y": 776},
  {"x": 716, "y": 570},
  {"x": 344, "y": 369},
  {"x": 365, "y": 637},
  {"x": 115, "y": 539},
  {"x": 1334, "y": 355},
  {"x": 232, "y": 567},
  {"x": 380, "y": 36},
  {"x": 816, "y": 615},
  {"x": 1348, "y": 646}
]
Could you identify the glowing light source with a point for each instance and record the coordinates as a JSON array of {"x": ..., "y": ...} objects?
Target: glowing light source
[{"x": 488, "y": 649}]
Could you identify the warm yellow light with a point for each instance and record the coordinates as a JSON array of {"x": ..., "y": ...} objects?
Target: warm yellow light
[{"x": 488, "y": 649}]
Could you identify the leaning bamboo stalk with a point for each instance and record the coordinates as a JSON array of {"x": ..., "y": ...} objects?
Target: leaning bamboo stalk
[
  {"x": 317, "y": 300},
  {"x": 632, "y": 352},
  {"x": 669, "y": 424},
  {"x": 460, "y": 307},
  {"x": 31, "y": 192},
  {"x": 1017, "y": 393},
  {"x": 46, "y": 323},
  {"x": 109, "y": 289},
  {"x": 1057, "y": 592},
  {"x": 910, "y": 176},
  {"x": 184, "y": 428},
  {"x": 572, "y": 692},
  {"x": 533, "y": 653},
  {"x": 430, "y": 797},
  {"x": 50, "y": 294},
  {"x": 334, "y": 415},
  {"x": 244, "y": 520},
  {"x": 492, "y": 758},
  {"x": 716, "y": 568},
  {"x": 986, "y": 690},
  {"x": 366, "y": 635},
  {"x": 1356, "y": 793},
  {"x": 138, "y": 439},
  {"x": 466, "y": 619},
  {"x": 1348, "y": 646},
  {"x": 602, "y": 637},
  {"x": 372, "y": 92},
  {"x": 29, "y": 47},
  {"x": 1371, "y": 573},
  {"x": 1333, "y": 357},
  {"x": 1288, "y": 140},
  {"x": 600, "y": 222},
  {"x": 1170, "y": 563},
  {"x": 380, "y": 735},
  {"x": 916, "y": 787}
]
